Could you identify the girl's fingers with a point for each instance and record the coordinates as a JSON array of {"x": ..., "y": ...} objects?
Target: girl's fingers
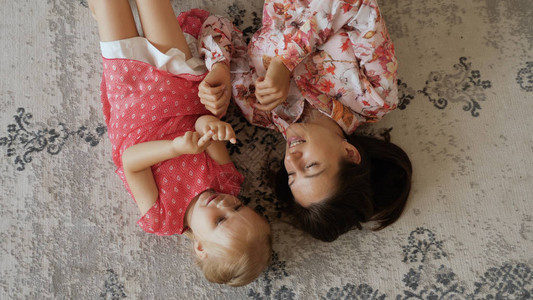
[
  {"x": 205, "y": 88},
  {"x": 188, "y": 135},
  {"x": 214, "y": 130},
  {"x": 207, "y": 97},
  {"x": 208, "y": 104},
  {"x": 204, "y": 140},
  {"x": 216, "y": 105}
]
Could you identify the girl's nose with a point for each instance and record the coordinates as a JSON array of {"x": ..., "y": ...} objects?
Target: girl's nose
[
  {"x": 222, "y": 203},
  {"x": 226, "y": 202}
]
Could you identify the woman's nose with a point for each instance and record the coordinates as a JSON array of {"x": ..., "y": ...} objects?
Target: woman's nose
[
  {"x": 292, "y": 159},
  {"x": 293, "y": 155}
]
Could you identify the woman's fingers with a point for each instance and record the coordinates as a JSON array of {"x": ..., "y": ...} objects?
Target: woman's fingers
[
  {"x": 265, "y": 100},
  {"x": 269, "y": 105},
  {"x": 230, "y": 134},
  {"x": 266, "y": 91},
  {"x": 222, "y": 131},
  {"x": 269, "y": 102}
]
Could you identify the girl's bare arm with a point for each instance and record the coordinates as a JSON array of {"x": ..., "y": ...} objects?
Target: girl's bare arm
[{"x": 138, "y": 159}]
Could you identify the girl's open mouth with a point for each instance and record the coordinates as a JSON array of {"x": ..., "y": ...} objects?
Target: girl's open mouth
[{"x": 211, "y": 198}]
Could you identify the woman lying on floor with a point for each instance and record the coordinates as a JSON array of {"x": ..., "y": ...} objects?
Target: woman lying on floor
[{"x": 315, "y": 71}]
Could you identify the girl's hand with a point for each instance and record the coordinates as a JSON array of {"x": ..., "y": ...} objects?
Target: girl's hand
[
  {"x": 192, "y": 142},
  {"x": 221, "y": 131},
  {"x": 215, "y": 90},
  {"x": 273, "y": 89}
]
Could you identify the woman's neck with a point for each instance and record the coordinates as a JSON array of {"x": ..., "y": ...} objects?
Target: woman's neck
[{"x": 314, "y": 116}]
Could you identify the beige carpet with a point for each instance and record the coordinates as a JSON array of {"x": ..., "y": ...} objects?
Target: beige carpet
[{"x": 67, "y": 225}]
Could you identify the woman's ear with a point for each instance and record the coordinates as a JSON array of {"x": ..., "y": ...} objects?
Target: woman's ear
[
  {"x": 199, "y": 250},
  {"x": 352, "y": 154}
]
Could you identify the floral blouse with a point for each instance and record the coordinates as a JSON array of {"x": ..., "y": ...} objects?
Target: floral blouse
[{"x": 340, "y": 54}]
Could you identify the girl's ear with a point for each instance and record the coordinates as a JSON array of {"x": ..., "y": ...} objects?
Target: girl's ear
[
  {"x": 352, "y": 154},
  {"x": 199, "y": 250}
]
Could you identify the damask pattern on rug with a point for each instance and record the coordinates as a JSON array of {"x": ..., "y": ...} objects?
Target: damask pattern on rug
[
  {"x": 424, "y": 280},
  {"x": 24, "y": 139},
  {"x": 406, "y": 94},
  {"x": 113, "y": 288},
  {"x": 239, "y": 15},
  {"x": 524, "y": 78},
  {"x": 465, "y": 86}
]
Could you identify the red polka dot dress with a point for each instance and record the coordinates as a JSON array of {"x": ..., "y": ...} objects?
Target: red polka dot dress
[{"x": 140, "y": 104}]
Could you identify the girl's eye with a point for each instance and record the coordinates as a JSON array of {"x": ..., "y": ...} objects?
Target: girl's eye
[
  {"x": 290, "y": 174},
  {"x": 311, "y": 165},
  {"x": 220, "y": 220},
  {"x": 238, "y": 207}
]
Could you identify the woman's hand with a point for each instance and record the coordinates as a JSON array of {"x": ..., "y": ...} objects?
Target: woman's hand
[
  {"x": 191, "y": 142},
  {"x": 215, "y": 90},
  {"x": 273, "y": 89}
]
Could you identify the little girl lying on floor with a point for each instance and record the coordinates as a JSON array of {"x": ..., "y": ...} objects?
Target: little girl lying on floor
[{"x": 168, "y": 149}]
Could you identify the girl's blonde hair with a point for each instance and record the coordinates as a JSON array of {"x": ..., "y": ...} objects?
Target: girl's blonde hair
[{"x": 240, "y": 259}]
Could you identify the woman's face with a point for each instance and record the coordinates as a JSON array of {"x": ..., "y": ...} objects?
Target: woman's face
[{"x": 312, "y": 160}]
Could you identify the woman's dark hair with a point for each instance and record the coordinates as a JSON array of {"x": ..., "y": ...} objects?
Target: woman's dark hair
[{"x": 376, "y": 189}]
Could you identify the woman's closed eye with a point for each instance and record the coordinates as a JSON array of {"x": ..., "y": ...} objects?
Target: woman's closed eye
[
  {"x": 220, "y": 221},
  {"x": 308, "y": 166},
  {"x": 313, "y": 164}
]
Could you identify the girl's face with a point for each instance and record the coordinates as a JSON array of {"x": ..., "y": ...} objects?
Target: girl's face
[
  {"x": 214, "y": 213},
  {"x": 312, "y": 160}
]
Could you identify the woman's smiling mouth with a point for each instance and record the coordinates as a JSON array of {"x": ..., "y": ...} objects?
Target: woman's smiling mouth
[{"x": 295, "y": 140}]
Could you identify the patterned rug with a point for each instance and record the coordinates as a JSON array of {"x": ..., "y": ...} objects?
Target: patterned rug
[{"x": 67, "y": 225}]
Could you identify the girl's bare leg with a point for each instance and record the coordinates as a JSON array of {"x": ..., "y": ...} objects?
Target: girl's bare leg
[
  {"x": 160, "y": 26},
  {"x": 115, "y": 19}
]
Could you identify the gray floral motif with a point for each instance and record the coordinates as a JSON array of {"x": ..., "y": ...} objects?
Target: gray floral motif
[
  {"x": 422, "y": 242},
  {"x": 113, "y": 289},
  {"x": 24, "y": 139},
  {"x": 238, "y": 15},
  {"x": 443, "y": 286},
  {"x": 524, "y": 78},
  {"x": 426, "y": 281},
  {"x": 405, "y": 94},
  {"x": 276, "y": 271},
  {"x": 506, "y": 282},
  {"x": 284, "y": 293},
  {"x": 412, "y": 278},
  {"x": 352, "y": 292},
  {"x": 464, "y": 86}
]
